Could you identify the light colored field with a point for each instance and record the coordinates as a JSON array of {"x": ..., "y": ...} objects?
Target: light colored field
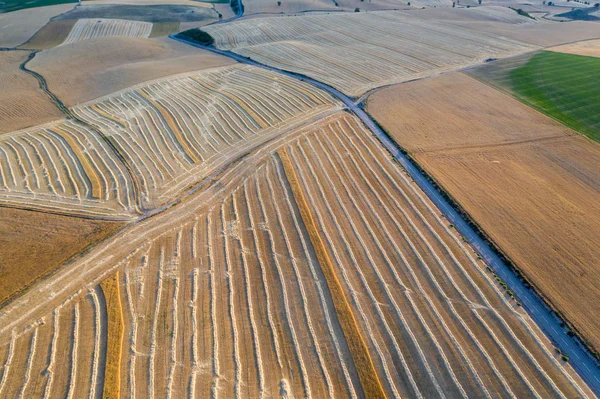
[
  {"x": 64, "y": 167},
  {"x": 92, "y": 28},
  {"x": 226, "y": 295},
  {"x": 33, "y": 244},
  {"x": 530, "y": 183},
  {"x": 22, "y": 102},
  {"x": 174, "y": 132},
  {"x": 150, "y": 2},
  {"x": 355, "y": 52},
  {"x": 114, "y": 336},
  {"x": 590, "y": 48},
  {"x": 18, "y": 26},
  {"x": 51, "y": 35},
  {"x": 82, "y": 71}
]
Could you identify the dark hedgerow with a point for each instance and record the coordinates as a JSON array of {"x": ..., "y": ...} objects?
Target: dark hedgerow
[{"x": 197, "y": 35}]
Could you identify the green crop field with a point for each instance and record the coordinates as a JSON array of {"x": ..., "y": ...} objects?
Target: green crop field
[
  {"x": 14, "y": 5},
  {"x": 563, "y": 86}
]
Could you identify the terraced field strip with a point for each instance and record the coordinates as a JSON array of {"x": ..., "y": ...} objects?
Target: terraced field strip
[
  {"x": 112, "y": 374},
  {"x": 379, "y": 48},
  {"x": 176, "y": 130},
  {"x": 360, "y": 354},
  {"x": 563, "y": 86},
  {"x": 64, "y": 167},
  {"x": 91, "y": 28}
]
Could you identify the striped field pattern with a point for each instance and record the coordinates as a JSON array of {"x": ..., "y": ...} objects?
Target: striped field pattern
[
  {"x": 360, "y": 51},
  {"x": 92, "y": 28}
]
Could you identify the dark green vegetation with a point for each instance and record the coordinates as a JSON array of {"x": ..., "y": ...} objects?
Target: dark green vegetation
[
  {"x": 197, "y": 35},
  {"x": 565, "y": 87},
  {"x": 14, "y": 5},
  {"x": 581, "y": 14},
  {"x": 520, "y": 12}
]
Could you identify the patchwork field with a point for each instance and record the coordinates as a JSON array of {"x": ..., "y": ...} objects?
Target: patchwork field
[
  {"x": 565, "y": 87},
  {"x": 22, "y": 102},
  {"x": 355, "y": 52},
  {"x": 113, "y": 64},
  {"x": 18, "y": 26},
  {"x": 228, "y": 294},
  {"x": 165, "y": 11},
  {"x": 92, "y": 28},
  {"x": 530, "y": 183}
]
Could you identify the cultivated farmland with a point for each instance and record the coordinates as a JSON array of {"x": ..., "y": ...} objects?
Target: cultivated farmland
[
  {"x": 18, "y": 26},
  {"x": 565, "y": 87},
  {"x": 357, "y": 52},
  {"x": 590, "y": 48},
  {"x": 176, "y": 131},
  {"x": 228, "y": 295},
  {"x": 529, "y": 182},
  {"x": 91, "y": 28},
  {"x": 22, "y": 102}
]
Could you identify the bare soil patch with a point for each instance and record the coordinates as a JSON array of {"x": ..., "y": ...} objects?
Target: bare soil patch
[
  {"x": 33, "y": 244},
  {"x": 80, "y": 72},
  {"x": 51, "y": 35},
  {"x": 160, "y": 29},
  {"x": 22, "y": 102},
  {"x": 589, "y": 48},
  {"x": 536, "y": 195},
  {"x": 18, "y": 26}
]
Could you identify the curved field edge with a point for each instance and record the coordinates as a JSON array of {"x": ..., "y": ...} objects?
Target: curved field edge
[
  {"x": 115, "y": 333},
  {"x": 362, "y": 360},
  {"x": 493, "y": 245},
  {"x": 561, "y": 86}
]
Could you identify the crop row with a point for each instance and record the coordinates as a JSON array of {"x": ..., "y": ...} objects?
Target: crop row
[
  {"x": 355, "y": 53},
  {"x": 92, "y": 28}
]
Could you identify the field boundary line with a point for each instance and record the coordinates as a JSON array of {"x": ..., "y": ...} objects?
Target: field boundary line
[
  {"x": 360, "y": 354},
  {"x": 115, "y": 333}
]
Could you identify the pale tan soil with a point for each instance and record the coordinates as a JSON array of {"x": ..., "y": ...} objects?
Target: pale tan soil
[
  {"x": 33, "y": 244},
  {"x": 18, "y": 26},
  {"x": 589, "y": 48},
  {"x": 543, "y": 34},
  {"x": 22, "y": 102},
  {"x": 150, "y": 2},
  {"x": 51, "y": 35},
  {"x": 536, "y": 195},
  {"x": 80, "y": 72},
  {"x": 161, "y": 29},
  {"x": 491, "y": 13},
  {"x": 258, "y": 278}
]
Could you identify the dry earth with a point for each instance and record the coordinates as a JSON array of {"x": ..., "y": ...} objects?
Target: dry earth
[
  {"x": 22, "y": 102},
  {"x": 529, "y": 182},
  {"x": 80, "y": 72},
  {"x": 34, "y": 243},
  {"x": 224, "y": 293},
  {"x": 51, "y": 35},
  {"x": 590, "y": 48},
  {"x": 18, "y": 26}
]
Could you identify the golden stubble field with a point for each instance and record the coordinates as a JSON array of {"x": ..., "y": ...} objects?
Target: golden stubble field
[
  {"x": 529, "y": 182},
  {"x": 227, "y": 293}
]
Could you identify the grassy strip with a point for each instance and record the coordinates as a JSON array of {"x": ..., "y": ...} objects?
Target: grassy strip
[
  {"x": 114, "y": 310},
  {"x": 358, "y": 348},
  {"x": 15, "y": 5}
]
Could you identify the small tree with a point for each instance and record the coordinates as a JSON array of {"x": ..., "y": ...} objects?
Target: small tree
[
  {"x": 453, "y": 4},
  {"x": 279, "y": 4},
  {"x": 597, "y": 5},
  {"x": 409, "y": 3},
  {"x": 357, "y": 9},
  {"x": 479, "y": 1}
]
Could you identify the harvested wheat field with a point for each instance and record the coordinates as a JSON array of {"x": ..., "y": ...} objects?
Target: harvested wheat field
[
  {"x": 18, "y": 26},
  {"x": 92, "y": 28},
  {"x": 22, "y": 102},
  {"x": 590, "y": 48},
  {"x": 35, "y": 243},
  {"x": 231, "y": 292},
  {"x": 175, "y": 131},
  {"x": 530, "y": 183},
  {"x": 83, "y": 71},
  {"x": 377, "y": 48},
  {"x": 65, "y": 167}
]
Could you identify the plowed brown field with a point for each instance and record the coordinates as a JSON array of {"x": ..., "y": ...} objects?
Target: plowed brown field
[{"x": 529, "y": 182}]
